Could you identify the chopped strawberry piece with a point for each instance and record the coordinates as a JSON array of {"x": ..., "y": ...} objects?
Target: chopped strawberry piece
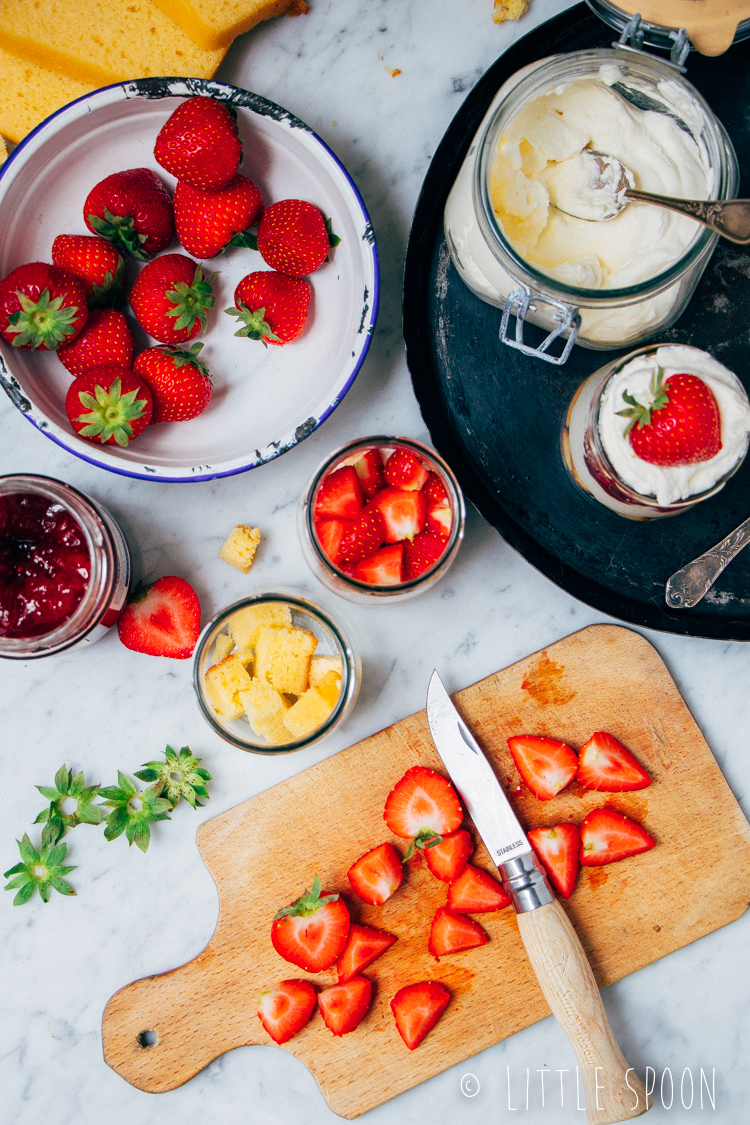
[
  {"x": 369, "y": 469},
  {"x": 331, "y": 534},
  {"x": 312, "y": 932},
  {"x": 476, "y": 892},
  {"x": 363, "y": 537},
  {"x": 162, "y": 619},
  {"x": 440, "y": 520},
  {"x": 558, "y": 848},
  {"x": 405, "y": 513},
  {"x": 344, "y": 1006},
  {"x": 417, "y": 1008},
  {"x": 377, "y": 874},
  {"x": 286, "y": 1008},
  {"x": 451, "y": 933},
  {"x": 545, "y": 764},
  {"x": 607, "y": 836},
  {"x": 403, "y": 469},
  {"x": 339, "y": 496},
  {"x": 422, "y": 805},
  {"x": 364, "y": 945},
  {"x": 434, "y": 492},
  {"x": 605, "y": 765},
  {"x": 384, "y": 568},
  {"x": 422, "y": 553},
  {"x": 349, "y": 568},
  {"x": 447, "y": 859}
]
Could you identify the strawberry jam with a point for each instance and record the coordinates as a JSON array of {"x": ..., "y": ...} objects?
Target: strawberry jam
[{"x": 45, "y": 565}]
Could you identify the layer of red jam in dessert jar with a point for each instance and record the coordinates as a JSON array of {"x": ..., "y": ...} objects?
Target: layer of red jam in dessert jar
[
  {"x": 381, "y": 518},
  {"x": 657, "y": 431},
  {"x": 64, "y": 568}
]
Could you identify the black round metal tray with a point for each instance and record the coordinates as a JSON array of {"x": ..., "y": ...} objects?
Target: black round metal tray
[{"x": 496, "y": 414}]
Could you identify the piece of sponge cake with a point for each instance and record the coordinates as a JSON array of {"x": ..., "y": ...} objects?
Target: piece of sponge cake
[
  {"x": 29, "y": 93},
  {"x": 213, "y": 24}
]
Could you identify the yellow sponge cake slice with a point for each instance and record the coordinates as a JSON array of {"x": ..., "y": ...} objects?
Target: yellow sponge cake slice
[
  {"x": 213, "y": 24},
  {"x": 29, "y": 93}
]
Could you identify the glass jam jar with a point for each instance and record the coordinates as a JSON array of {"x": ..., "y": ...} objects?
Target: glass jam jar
[
  {"x": 494, "y": 269},
  {"x": 64, "y": 568}
]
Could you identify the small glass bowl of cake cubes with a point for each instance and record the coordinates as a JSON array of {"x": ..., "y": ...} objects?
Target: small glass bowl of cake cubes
[
  {"x": 381, "y": 518},
  {"x": 274, "y": 672}
]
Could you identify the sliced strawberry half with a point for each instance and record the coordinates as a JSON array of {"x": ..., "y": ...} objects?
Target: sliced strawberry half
[
  {"x": 384, "y": 568},
  {"x": 421, "y": 806},
  {"x": 422, "y": 553},
  {"x": 364, "y": 945},
  {"x": 559, "y": 849},
  {"x": 339, "y": 496},
  {"x": 546, "y": 764},
  {"x": 440, "y": 520},
  {"x": 447, "y": 859},
  {"x": 369, "y": 469},
  {"x": 312, "y": 932},
  {"x": 451, "y": 933},
  {"x": 606, "y": 766},
  {"x": 434, "y": 492},
  {"x": 344, "y": 1006},
  {"x": 162, "y": 619},
  {"x": 417, "y": 1008},
  {"x": 476, "y": 892},
  {"x": 608, "y": 835},
  {"x": 331, "y": 534},
  {"x": 403, "y": 469},
  {"x": 363, "y": 537},
  {"x": 377, "y": 874},
  {"x": 286, "y": 1008},
  {"x": 405, "y": 513}
]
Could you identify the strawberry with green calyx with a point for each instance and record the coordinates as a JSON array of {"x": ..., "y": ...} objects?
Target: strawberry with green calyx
[
  {"x": 105, "y": 338},
  {"x": 170, "y": 298},
  {"x": 312, "y": 932},
  {"x": 210, "y": 221},
  {"x": 132, "y": 811},
  {"x": 109, "y": 405},
  {"x": 179, "y": 775},
  {"x": 680, "y": 426},
  {"x": 41, "y": 307},
  {"x": 38, "y": 870},
  {"x": 162, "y": 619},
  {"x": 199, "y": 143},
  {"x": 98, "y": 264},
  {"x": 294, "y": 238},
  {"x": 422, "y": 806},
  {"x": 133, "y": 210},
  {"x": 179, "y": 381},
  {"x": 67, "y": 787},
  {"x": 271, "y": 307}
]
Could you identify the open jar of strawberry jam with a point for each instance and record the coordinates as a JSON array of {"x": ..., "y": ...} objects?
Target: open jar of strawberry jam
[{"x": 64, "y": 568}]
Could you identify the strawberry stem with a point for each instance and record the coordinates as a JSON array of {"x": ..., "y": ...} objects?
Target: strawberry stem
[
  {"x": 191, "y": 301},
  {"x": 42, "y": 323},
  {"x": 110, "y": 413},
  {"x": 255, "y": 325},
  {"x": 119, "y": 230},
  {"x": 639, "y": 414}
]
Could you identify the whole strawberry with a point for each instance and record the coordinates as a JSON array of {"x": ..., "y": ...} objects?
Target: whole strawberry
[
  {"x": 105, "y": 339},
  {"x": 680, "y": 426},
  {"x": 209, "y": 221},
  {"x": 199, "y": 144},
  {"x": 170, "y": 298},
  {"x": 96, "y": 262},
  {"x": 271, "y": 306},
  {"x": 294, "y": 238},
  {"x": 133, "y": 210},
  {"x": 41, "y": 307},
  {"x": 109, "y": 405},
  {"x": 179, "y": 382}
]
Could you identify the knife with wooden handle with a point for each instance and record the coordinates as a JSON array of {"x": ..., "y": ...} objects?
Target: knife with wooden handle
[{"x": 613, "y": 1090}]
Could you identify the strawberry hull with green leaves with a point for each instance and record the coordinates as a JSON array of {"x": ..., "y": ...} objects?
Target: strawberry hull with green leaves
[
  {"x": 171, "y": 297},
  {"x": 108, "y": 404},
  {"x": 41, "y": 307}
]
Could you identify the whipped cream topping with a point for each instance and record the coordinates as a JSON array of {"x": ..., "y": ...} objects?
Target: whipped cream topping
[{"x": 673, "y": 482}]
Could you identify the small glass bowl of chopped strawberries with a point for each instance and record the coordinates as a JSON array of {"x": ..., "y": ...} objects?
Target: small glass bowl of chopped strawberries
[
  {"x": 383, "y": 517},
  {"x": 274, "y": 672}
]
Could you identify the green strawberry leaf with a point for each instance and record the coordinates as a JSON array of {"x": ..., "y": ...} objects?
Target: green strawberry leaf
[
  {"x": 40, "y": 871},
  {"x": 67, "y": 787},
  {"x": 179, "y": 775}
]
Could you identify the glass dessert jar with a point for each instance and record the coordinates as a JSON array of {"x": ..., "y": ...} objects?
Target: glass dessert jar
[
  {"x": 64, "y": 568},
  {"x": 423, "y": 520},
  {"x": 274, "y": 672},
  {"x": 601, "y": 284},
  {"x": 601, "y": 459}
]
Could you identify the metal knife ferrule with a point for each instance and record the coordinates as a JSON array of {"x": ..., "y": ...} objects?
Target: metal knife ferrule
[{"x": 524, "y": 880}]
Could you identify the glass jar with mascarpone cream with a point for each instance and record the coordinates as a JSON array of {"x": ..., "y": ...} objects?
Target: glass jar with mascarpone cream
[{"x": 600, "y": 284}]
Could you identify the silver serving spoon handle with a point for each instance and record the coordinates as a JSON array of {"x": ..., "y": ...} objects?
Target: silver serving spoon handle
[
  {"x": 728, "y": 217},
  {"x": 688, "y": 585}
]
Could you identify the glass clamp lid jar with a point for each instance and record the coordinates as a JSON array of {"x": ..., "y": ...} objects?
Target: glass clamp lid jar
[{"x": 602, "y": 284}]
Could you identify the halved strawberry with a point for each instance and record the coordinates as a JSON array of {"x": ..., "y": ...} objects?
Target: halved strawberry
[
  {"x": 162, "y": 619},
  {"x": 405, "y": 513},
  {"x": 377, "y": 874},
  {"x": 339, "y": 496},
  {"x": 434, "y": 491},
  {"x": 331, "y": 533},
  {"x": 423, "y": 805},
  {"x": 559, "y": 848},
  {"x": 369, "y": 469},
  {"x": 605, "y": 765},
  {"x": 607, "y": 835},
  {"x": 422, "y": 553},
  {"x": 546, "y": 764},
  {"x": 403, "y": 469},
  {"x": 286, "y": 1008},
  {"x": 447, "y": 859},
  {"x": 417, "y": 1008},
  {"x": 476, "y": 892},
  {"x": 384, "y": 568},
  {"x": 363, "y": 537},
  {"x": 364, "y": 945},
  {"x": 451, "y": 933},
  {"x": 344, "y": 1006},
  {"x": 312, "y": 932},
  {"x": 440, "y": 520}
]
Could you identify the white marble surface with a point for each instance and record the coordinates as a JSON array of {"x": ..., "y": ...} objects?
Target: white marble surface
[{"x": 107, "y": 708}]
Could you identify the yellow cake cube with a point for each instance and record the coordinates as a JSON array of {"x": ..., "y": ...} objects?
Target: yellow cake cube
[
  {"x": 308, "y": 713},
  {"x": 240, "y": 547},
  {"x": 329, "y": 687},
  {"x": 245, "y": 624},
  {"x": 321, "y": 665},
  {"x": 211, "y": 24},
  {"x": 224, "y": 682},
  {"x": 282, "y": 658},
  {"x": 223, "y": 645},
  {"x": 509, "y": 10},
  {"x": 265, "y": 708}
]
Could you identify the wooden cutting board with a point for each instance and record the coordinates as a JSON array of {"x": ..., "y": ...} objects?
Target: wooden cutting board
[{"x": 263, "y": 853}]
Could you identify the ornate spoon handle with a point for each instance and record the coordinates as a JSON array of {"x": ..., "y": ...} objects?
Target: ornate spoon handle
[
  {"x": 728, "y": 217},
  {"x": 688, "y": 585}
]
